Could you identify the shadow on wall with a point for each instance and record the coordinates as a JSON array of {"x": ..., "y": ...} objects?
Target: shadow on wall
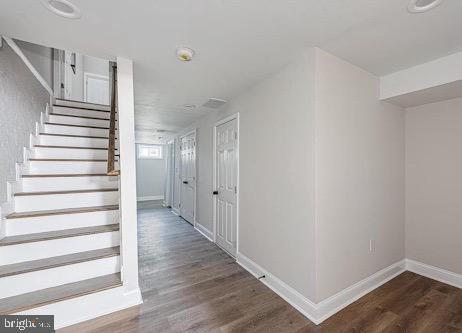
[{"x": 22, "y": 98}]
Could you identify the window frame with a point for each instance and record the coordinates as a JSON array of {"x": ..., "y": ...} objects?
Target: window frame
[{"x": 149, "y": 146}]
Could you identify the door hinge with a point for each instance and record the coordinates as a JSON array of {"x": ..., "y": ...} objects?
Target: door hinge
[
  {"x": 235, "y": 189},
  {"x": 235, "y": 135}
]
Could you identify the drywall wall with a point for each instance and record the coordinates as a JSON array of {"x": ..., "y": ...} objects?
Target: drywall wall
[
  {"x": 434, "y": 184},
  {"x": 41, "y": 57},
  {"x": 359, "y": 176},
  {"x": 22, "y": 98},
  {"x": 276, "y": 212},
  {"x": 95, "y": 66},
  {"x": 150, "y": 177}
]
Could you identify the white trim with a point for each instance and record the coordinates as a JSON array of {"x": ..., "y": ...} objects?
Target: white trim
[
  {"x": 176, "y": 211},
  {"x": 342, "y": 299},
  {"x": 218, "y": 123},
  {"x": 28, "y": 64},
  {"x": 83, "y": 308},
  {"x": 318, "y": 312},
  {"x": 193, "y": 131},
  {"x": 87, "y": 75},
  {"x": 204, "y": 231},
  {"x": 293, "y": 297},
  {"x": 150, "y": 198},
  {"x": 434, "y": 273}
]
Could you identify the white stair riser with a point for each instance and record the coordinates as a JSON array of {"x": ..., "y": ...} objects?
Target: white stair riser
[
  {"x": 30, "y": 225},
  {"x": 81, "y": 112},
  {"x": 66, "y": 167},
  {"x": 53, "y": 140},
  {"x": 42, "y": 152},
  {"x": 53, "y": 277},
  {"x": 51, "y": 248},
  {"x": 68, "y": 183},
  {"x": 61, "y": 201},
  {"x": 71, "y": 130},
  {"x": 78, "y": 121},
  {"x": 82, "y": 105}
]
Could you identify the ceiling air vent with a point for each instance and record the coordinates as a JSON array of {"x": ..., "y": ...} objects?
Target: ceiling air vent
[{"x": 214, "y": 103}]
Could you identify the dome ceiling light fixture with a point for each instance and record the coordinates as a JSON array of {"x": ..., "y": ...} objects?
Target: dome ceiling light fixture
[
  {"x": 421, "y": 6},
  {"x": 184, "y": 53},
  {"x": 63, "y": 8}
]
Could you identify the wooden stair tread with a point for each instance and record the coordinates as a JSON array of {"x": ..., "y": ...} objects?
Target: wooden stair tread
[
  {"x": 22, "y": 194},
  {"x": 75, "y": 116},
  {"x": 43, "y": 236},
  {"x": 77, "y": 136},
  {"x": 64, "y": 211},
  {"x": 70, "y": 147},
  {"x": 53, "y": 262},
  {"x": 68, "y": 159},
  {"x": 81, "y": 102},
  {"x": 81, "y": 108},
  {"x": 72, "y": 125},
  {"x": 55, "y": 294},
  {"x": 67, "y": 175}
]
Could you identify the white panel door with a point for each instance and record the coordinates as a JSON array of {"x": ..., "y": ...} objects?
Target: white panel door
[
  {"x": 188, "y": 177},
  {"x": 96, "y": 89},
  {"x": 226, "y": 182}
]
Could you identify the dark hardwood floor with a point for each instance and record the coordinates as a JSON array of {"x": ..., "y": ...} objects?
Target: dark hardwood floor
[{"x": 190, "y": 285}]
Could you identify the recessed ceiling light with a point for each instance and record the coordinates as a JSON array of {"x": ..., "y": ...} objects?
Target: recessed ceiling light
[
  {"x": 184, "y": 54},
  {"x": 420, "y": 6},
  {"x": 62, "y": 8}
]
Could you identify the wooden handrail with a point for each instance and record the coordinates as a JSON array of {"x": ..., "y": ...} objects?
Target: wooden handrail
[{"x": 111, "y": 170}]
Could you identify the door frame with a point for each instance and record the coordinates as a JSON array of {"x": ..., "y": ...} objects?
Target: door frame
[
  {"x": 218, "y": 123},
  {"x": 194, "y": 131},
  {"x": 87, "y": 75}
]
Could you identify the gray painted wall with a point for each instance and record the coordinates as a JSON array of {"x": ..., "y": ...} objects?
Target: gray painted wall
[
  {"x": 434, "y": 184},
  {"x": 22, "y": 98},
  {"x": 319, "y": 156},
  {"x": 359, "y": 176},
  {"x": 150, "y": 177},
  {"x": 276, "y": 173},
  {"x": 41, "y": 57}
]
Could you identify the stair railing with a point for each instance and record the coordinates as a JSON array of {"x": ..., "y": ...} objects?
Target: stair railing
[{"x": 111, "y": 169}]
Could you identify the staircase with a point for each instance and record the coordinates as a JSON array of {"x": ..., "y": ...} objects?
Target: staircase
[{"x": 60, "y": 231}]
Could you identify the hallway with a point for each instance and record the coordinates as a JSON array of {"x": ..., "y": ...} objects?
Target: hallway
[{"x": 191, "y": 285}]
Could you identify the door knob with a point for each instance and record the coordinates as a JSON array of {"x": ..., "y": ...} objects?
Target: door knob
[
  {"x": 215, "y": 192},
  {"x": 185, "y": 182}
]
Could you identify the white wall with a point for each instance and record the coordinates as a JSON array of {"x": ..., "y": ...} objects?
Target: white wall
[
  {"x": 41, "y": 57},
  {"x": 276, "y": 227},
  {"x": 150, "y": 177},
  {"x": 359, "y": 176},
  {"x": 96, "y": 66},
  {"x": 22, "y": 98},
  {"x": 434, "y": 184},
  {"x": 321, "y": 156}
]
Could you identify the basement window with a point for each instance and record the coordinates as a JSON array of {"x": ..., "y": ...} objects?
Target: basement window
[{"x": 150, "y": 152}]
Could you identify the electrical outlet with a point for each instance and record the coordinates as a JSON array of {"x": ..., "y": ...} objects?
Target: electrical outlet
[{"x": 372, "y": 245}]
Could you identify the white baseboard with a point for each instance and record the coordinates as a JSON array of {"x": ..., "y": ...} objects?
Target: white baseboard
[
  {"x": 204, "y": 231},
  {"x": 293, "y": 297},
  {"x": 150, "y": 198},
  {"x": 176, "y": 211},
  {"x": 76, "y": 310},
  {"x": 434, "y": 273},
  {"x": 318, "y": 312},
  {"x": 332, "y": 305}
]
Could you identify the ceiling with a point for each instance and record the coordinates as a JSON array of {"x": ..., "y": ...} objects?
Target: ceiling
[{"x": 237, "y": 43}]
